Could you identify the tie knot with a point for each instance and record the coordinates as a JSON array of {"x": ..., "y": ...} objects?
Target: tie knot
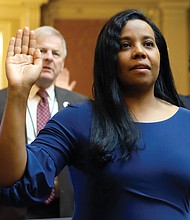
[{"x": 42, "y": 93}]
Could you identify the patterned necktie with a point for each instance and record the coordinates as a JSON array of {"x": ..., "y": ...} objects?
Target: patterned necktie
[
  {"x": 43, "y": 112},
  {"x": 43, "y": 115}
]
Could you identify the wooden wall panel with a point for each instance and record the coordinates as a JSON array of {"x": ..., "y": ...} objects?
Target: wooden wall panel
[{"x": 80, "y": 36}]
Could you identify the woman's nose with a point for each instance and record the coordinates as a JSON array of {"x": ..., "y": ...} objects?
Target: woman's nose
[{"x": 139, "y": 52}]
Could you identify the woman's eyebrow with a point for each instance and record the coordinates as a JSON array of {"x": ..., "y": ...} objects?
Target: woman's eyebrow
[
  {"x": 144, "y": 37},
  {"x": 125, "y": 38}
]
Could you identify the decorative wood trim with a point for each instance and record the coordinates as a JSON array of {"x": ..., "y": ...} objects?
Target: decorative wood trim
[{"x": 15, "y": 15}]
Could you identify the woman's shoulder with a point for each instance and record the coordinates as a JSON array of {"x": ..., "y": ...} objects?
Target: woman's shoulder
[
  {"x": 82, "y": 107},
  {"x": 182, "y": 115},
  {"x": 183, "y": 112},
  {"x": 75, "y": 112}
]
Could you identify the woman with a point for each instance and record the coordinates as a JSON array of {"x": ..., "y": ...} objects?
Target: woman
[{"x": 128, "y": 149}]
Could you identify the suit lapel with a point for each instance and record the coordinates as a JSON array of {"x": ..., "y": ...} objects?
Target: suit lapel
[{"x": 61, "y": 96}]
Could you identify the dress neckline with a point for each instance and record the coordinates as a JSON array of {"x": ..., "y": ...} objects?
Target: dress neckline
[{"x": 161, "y": 121}]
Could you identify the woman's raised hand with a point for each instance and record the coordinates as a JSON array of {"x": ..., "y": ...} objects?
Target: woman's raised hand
[{"x": 24, "y": 62}]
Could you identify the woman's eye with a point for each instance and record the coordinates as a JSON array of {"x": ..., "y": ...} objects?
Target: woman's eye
[
  {"x": 125, "y": 45},
  {"x": 149, "y": 44}
]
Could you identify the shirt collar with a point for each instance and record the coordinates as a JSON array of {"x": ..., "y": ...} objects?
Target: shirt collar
[{"x": 50, "y": 91}]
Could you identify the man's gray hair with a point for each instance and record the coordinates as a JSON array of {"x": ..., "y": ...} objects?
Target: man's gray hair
[{"x": 51, "y": 31}]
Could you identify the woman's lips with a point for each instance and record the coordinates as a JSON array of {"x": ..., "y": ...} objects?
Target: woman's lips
[{"x": 140, "y": 66}]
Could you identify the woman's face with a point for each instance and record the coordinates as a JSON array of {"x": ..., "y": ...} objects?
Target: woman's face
[{"x": 139, "y": 57}]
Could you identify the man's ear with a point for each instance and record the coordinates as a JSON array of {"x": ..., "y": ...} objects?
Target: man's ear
[{"x": 63, "y": 64}]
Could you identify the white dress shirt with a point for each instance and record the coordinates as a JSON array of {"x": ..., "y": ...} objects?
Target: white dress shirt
[{"x": 31, "y": 122}]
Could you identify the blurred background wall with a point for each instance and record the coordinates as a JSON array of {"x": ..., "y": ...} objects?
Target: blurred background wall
[{"x": 80, "y": 22}]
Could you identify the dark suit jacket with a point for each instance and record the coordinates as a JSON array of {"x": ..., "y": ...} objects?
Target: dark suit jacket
[
  {"x": 66, "y": 193},
  {"x": 62, "y": 95}
]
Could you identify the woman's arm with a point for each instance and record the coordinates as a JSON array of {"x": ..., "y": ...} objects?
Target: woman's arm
[{"x": 23, "y": 66}]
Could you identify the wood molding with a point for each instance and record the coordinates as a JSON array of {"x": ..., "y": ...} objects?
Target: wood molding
[
  {"x": 15, "y": 15},
  {"x": 92, "y": 9}
]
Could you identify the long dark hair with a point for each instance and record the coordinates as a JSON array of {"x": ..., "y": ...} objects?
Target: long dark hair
[{"x": 112, "y": 125}]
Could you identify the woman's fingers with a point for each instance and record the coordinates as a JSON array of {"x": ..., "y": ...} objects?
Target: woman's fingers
[
  {"x": 10, "y": 51},
  {"x": 32, "y": 43},
  {"x": 18, "y": 42},
  {"x": 25, "y": 40}
]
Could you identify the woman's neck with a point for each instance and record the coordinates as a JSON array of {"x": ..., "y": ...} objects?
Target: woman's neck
[{"x": 149, "y": 108}]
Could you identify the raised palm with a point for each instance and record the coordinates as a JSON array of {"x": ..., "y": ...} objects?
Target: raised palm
[{"x": 24, "y": 62}]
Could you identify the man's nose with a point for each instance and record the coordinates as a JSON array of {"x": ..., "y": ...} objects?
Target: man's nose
[{"x": 48, "y": 55}]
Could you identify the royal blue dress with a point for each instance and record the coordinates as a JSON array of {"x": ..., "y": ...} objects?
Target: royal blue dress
[{"x": 154, "y": 184}]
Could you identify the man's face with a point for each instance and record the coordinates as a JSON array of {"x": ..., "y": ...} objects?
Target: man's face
[{"x": 53, "y": 59}]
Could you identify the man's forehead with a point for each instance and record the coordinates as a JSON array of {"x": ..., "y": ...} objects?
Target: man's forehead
[
  {"x": 52, "y": 45},
  {"x": 51, "y": 40}
]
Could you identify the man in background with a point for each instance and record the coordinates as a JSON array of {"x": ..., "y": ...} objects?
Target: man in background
[{"x": 53, "y": 48}]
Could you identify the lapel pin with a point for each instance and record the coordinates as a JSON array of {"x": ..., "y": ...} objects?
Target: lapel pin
[{"x": 65, "y": 104}]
